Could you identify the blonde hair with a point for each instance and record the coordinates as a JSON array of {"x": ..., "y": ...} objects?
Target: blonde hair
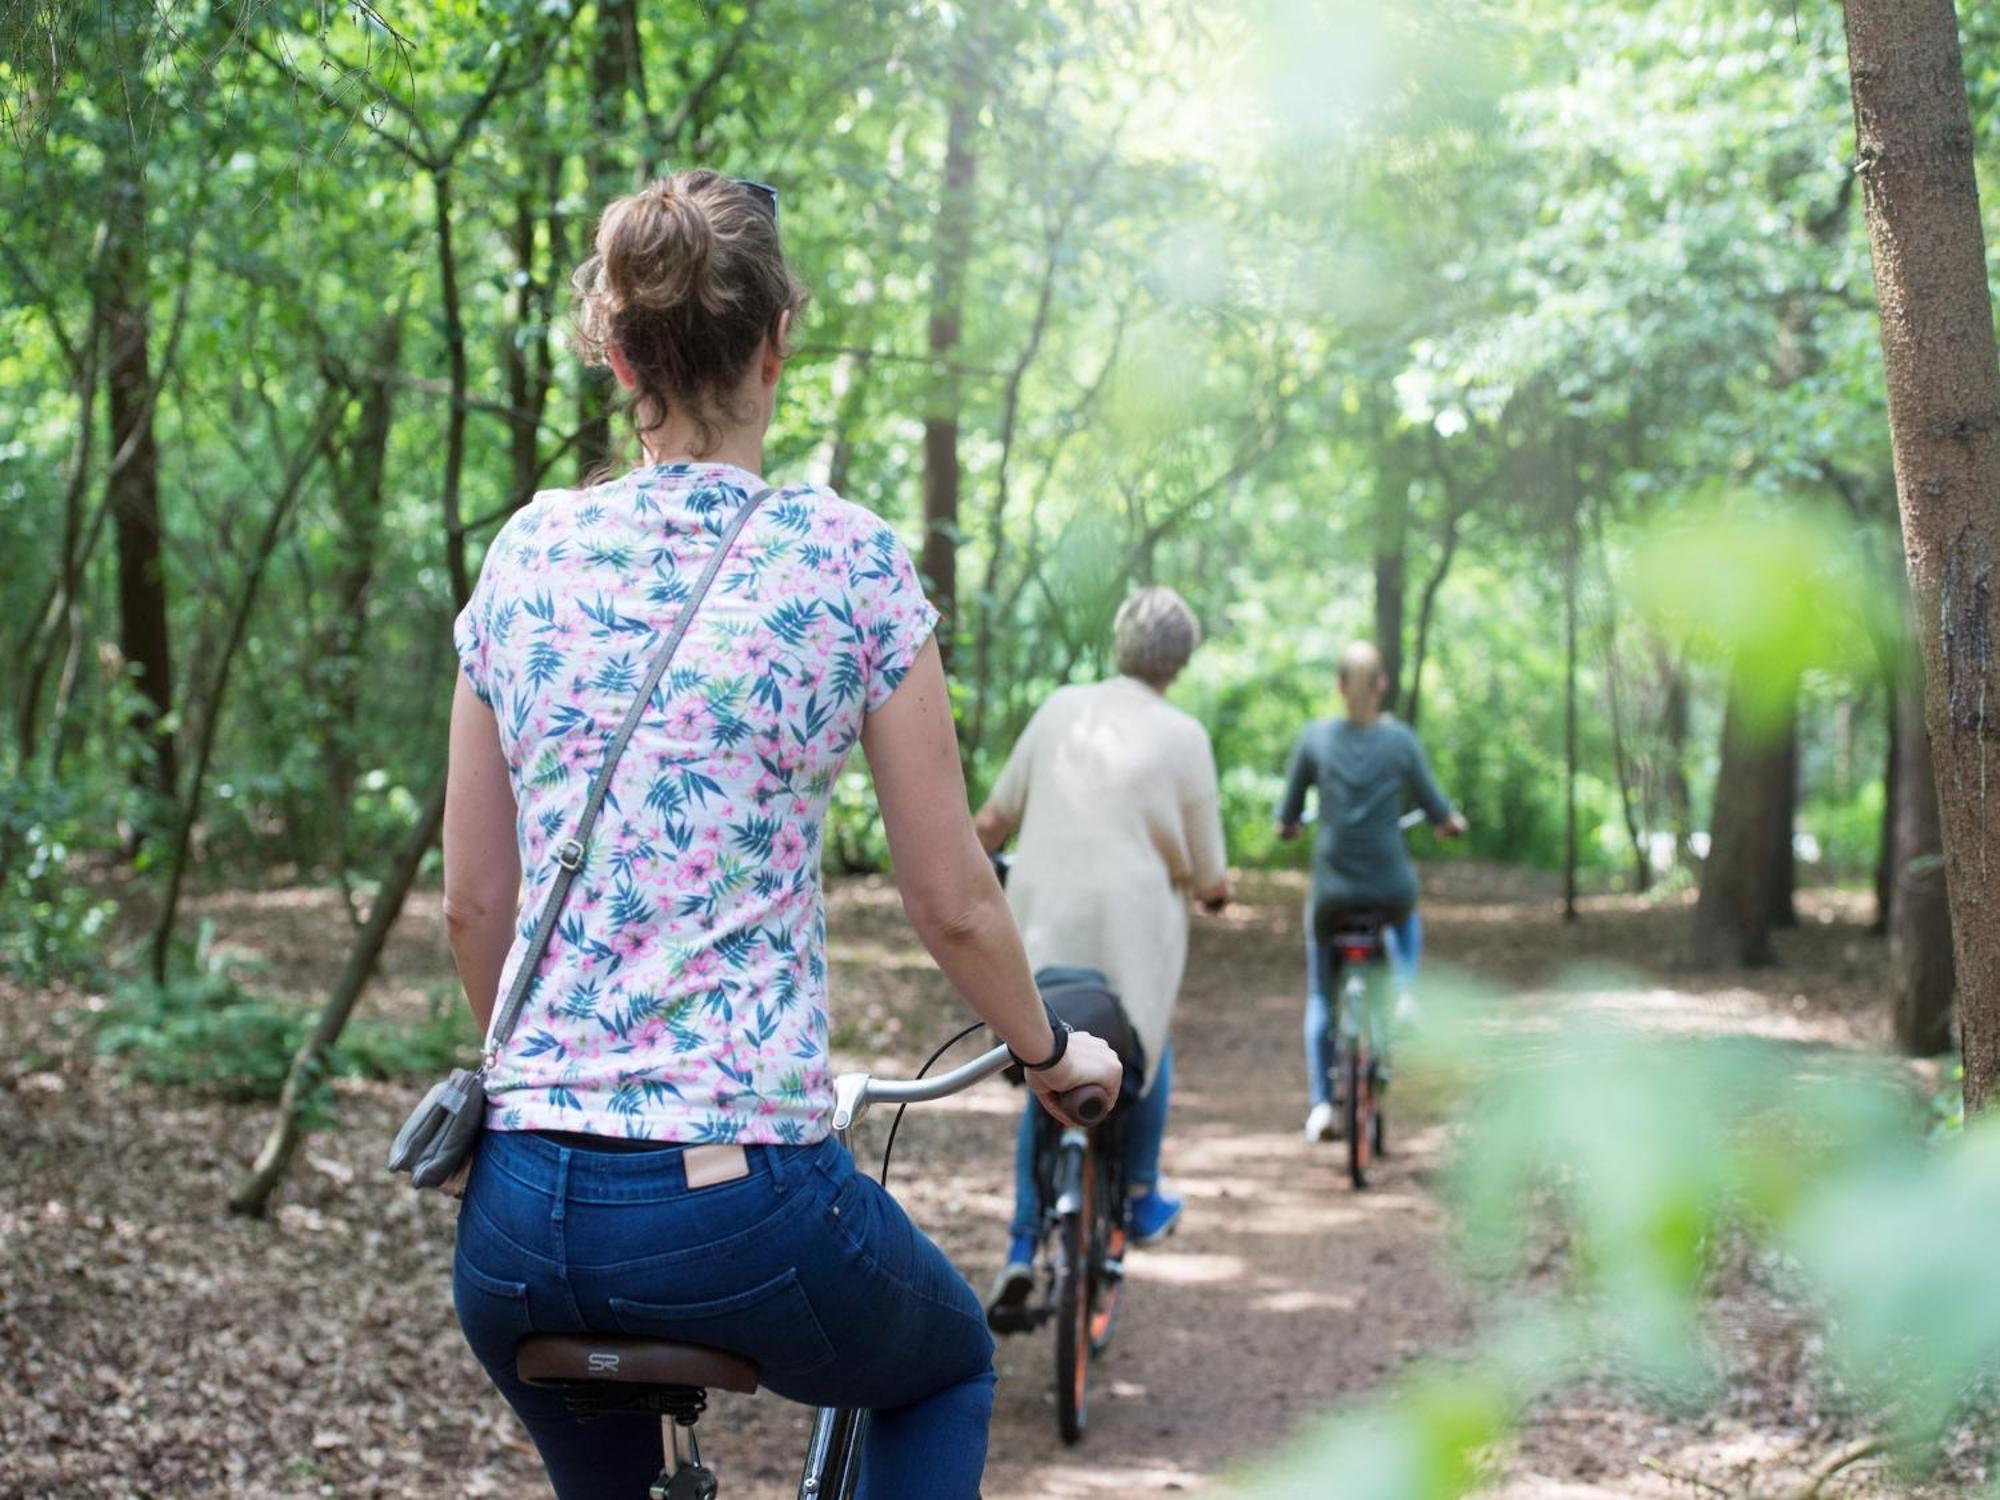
[
  {"x": 688, "y": 280},
  {"x": 1154, "y": 635}
]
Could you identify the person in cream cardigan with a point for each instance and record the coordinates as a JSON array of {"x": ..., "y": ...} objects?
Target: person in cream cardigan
[{"x": 1113, "y": 792}]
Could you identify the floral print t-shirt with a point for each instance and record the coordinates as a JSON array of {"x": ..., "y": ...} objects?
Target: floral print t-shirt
[{"x": 683, "y": 996}]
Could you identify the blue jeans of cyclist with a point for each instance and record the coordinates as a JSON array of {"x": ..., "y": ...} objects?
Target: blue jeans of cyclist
[
  {"x": 1404, "y": 941},
  {"x": 1145, "y": 1133},
  {"x": 806, "y": 1266}
]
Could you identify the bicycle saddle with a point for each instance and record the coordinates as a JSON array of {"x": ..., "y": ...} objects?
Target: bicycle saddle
[{"x": 570, "y": 1358}]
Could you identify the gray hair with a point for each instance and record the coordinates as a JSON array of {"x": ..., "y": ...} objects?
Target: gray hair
[{"x": 1154, "y": 635}]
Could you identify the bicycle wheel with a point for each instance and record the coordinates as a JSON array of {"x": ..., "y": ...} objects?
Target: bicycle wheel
[
  {"x": 1107, "y": 1256},
  {"x": 1360, "y": 1105},
  {"x": 1073, "y": 1306}
]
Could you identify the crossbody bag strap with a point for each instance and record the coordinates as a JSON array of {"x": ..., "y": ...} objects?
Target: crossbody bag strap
[{"x": 570, "y": 853}]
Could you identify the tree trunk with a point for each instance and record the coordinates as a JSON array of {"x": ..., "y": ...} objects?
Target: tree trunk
[
  {"x": 1892, "y": 771},
  {"x": 1572, "y": 547},
  {"x": 358, "y": 459},
  {"x": 63, "y": 605},
  {"x": 1392, "y": 540},
  {"x": 952, "y": 251},
  {"x": 1630, "y": 793},
  {"x": 132, "y": 482},
  {"x": 612, "y": 71},
  {"x": 1783, "y": 812},
  {"x": 526, "y": 358},
  {"x": 1674, "y": 789},
  {"x": 1732, "y": 915},
  {"x": 1920, "y": 962},
  {"x": 1427, "y": 600},
  {"x": 1916, "y": 161}
]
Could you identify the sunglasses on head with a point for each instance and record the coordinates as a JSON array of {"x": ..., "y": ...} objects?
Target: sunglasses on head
[{"x": 764, "y": 193}]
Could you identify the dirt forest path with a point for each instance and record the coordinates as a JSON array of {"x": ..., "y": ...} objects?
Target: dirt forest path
[{"x": 150, "y": 1344}]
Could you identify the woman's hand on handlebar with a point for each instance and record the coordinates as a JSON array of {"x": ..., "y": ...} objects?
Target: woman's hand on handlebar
[{"x": 1088, "y": 1062}]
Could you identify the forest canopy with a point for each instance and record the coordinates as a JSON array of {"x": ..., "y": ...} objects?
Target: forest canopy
[{"x": 1532, "y": 340}]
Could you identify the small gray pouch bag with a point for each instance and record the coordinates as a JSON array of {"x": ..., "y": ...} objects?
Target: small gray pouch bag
[{"x": 437, "y": 1143}]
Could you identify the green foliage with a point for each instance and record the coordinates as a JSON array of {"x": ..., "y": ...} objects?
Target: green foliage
[
  {"x": 207, "y": 1030},
  {"x": 1786, "y": 589},
  {"x": 1849, "y": 831},
  {"x": 1261, "y": 302},
  {"x": 52, "y": 922},
  {"x": 203, "y": 1030},
  {"x": 855, "y": 841}
]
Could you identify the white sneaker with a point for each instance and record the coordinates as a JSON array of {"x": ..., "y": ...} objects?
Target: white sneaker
[
  {"x": 1320, "y": 1123},
  {"x": 1405, "y": 1015}
]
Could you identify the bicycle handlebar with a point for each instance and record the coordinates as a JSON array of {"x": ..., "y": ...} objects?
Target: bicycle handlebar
[{"x": 854, "y": 1093}]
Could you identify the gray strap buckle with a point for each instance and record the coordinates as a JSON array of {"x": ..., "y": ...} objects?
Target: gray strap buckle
[{"x": 569, "y": 854}]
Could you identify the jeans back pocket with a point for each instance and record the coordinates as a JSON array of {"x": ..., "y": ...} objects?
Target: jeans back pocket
[{"x": 772, "y": 1323}]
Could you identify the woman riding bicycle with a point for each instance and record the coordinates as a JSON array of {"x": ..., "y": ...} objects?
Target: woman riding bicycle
[
  {"x": 1358, "y": 768},
  {"x": 657, "y": 1158},
  {"x": 1113, "y": 790}
]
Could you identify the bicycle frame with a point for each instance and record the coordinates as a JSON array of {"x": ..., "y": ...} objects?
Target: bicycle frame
[{"x": 833, "y": 1454}]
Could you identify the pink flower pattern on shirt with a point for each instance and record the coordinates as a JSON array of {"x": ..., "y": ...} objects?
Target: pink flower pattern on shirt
[{"x": 683, "y": 997}]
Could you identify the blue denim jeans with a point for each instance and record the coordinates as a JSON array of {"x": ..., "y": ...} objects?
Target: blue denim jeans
[
  {"x": 806, "y": 1266},
  {"x": 1145, "y": 1131},
  {"x": 1404, "y": 941}
]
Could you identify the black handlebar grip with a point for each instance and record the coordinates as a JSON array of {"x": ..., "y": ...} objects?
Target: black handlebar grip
[{"x": 1088, "y": 1104}]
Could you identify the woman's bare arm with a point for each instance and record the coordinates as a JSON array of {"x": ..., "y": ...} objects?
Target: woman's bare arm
[
  {"x": 949, "y": 890},
  {"x": 482, "y": 865}
]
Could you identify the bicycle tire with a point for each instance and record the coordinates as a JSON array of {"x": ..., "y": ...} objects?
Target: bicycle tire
[
  {"x": 1379, "y": 1145},
  {"x": 1073, "y": 1308},
  {"x": 1360, "y": 1109},
  {"x": 1110, "y": 1240}
]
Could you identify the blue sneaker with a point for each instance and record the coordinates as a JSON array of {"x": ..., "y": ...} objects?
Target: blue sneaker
[
  {"x": 1154, "y": 1216},
  {"x": 1007, "y": 1303}
]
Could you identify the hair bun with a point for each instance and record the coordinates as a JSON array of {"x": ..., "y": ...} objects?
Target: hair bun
[
  {"x": 657, "y": 248},
  {"x": 686, "y": 282}
]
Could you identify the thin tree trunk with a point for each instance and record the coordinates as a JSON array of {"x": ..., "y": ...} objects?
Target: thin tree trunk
[
  {"x": 1393, "y": 477},
  {"x": 1943, "y": 375},
  {"x": 308, "y": 1068},
  {"x": 211, "y": 720},
  {"x": 951, "y": 254},
  {"x": 454, "y": 421},
  {"x": 605, "y": 170},
  {"x": 359, "y": 461},
  {"x": 1642, "y": 867},
  {"x": 1920, "y": 961},
  {"x": 1732, "y": 915},
  {"x": 1571, "y": 561},
  {"x": 1427, "y": 601},
  {"x": 62, "y": 605},
  {"x": 1892, "y": 771},
  {"x": 851, "y": 388},
  {"x": 526, "y": 363}
]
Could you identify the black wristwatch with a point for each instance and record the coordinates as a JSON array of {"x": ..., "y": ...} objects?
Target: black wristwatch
[{"x": 1061, "y": 1028}]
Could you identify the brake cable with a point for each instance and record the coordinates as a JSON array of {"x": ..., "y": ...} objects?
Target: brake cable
[{"x": 897, "y": 1124}]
